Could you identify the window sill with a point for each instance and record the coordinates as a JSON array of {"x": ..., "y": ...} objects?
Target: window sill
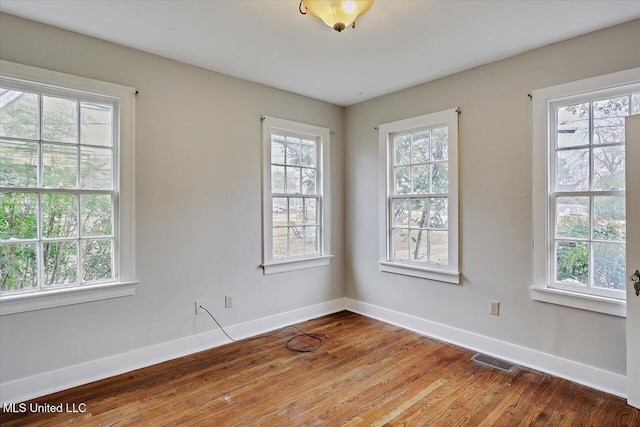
[
  {"x": 612, "y": 306},
  {"x": 11, "y": 304},
  {"x": 421, "y": 272},
  {"x": 296, "y": 264}
]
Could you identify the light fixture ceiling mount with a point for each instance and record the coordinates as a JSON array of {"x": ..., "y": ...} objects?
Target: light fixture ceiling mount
[{"x": 337, "y": 14}]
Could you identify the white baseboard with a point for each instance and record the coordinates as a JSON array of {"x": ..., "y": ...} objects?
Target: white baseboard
[
  {"x": 61, "y": 379},
  {"x": 599, "y": 379},
  {"x": 39, "y": 385}
]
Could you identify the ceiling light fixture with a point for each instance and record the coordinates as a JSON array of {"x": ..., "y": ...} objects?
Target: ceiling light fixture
[{"x": 336, "y": 13}]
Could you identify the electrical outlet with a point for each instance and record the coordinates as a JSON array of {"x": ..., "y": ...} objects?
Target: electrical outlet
[
  {"x": 228, "y": 301},
  {"x": 199, "y": 302},
  {"x": 494, "y": 308}
]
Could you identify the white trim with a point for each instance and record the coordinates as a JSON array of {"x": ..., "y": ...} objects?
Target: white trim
[
  {"x": 592, "y": 84},
  {"x": 599, "y": 304},
  {"x": 296, "y": 264},
  {"x": 124, "y": 179},
  {"x": 272, "y": 265},
  {"x": 18, "y": 303},
  {"x": 61, "y": 379},
  {"x": 590, "y": 376},
  {"x": 541, "y": 228},
  {"x": 428, "y": 271},
  {"x": 65, "y": 81},
  {"x": 72, "y": 376},
  {"x": 421, "y": 272},
  {"x": 127, "y": 186}
]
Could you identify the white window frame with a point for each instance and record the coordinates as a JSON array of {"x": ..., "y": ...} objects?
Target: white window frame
[
  {"x": 544, "y": 101},
  {"x": 124, "y": 280},
  {"x": 273, "y": 265},
  {"x": 449, "y": 273}
]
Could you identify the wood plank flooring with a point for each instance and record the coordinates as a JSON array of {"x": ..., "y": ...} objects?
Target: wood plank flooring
[{"x": 368, "y": 373}]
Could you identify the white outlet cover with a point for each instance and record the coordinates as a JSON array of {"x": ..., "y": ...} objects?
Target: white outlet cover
[
  {"x": 198, "y": 303},
  {"x": 494, "y": 308}
]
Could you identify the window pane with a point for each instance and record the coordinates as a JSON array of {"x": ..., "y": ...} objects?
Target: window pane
[
  {"x": 59, "y": 215},
  {"x": 67, "y": 143},
  {"x": 609, "y": 222},
  {"x": 277, "y": 149},
  {"x": 18, "y": 114},
  {"x": 419, "y": 213},
  {"x": 18, "y": 216},
  {"x": 280, "y": 242},
  {"x": 440, "y": 178},
  {"x": 440, "y": 144},
  {"x": 95, "y": 124},
  {"x": 310, "y": 240},
  {"x": 420, "y": 147},
  {"x": 400, "y": 247},
  {"x": 401, "y": 213},
  {"x": 439, "y": 247},
  {"x": 308, "y": 181},
  {"x": 18, "y": 269},
  {"x": 573, "y": 170},
  {"x": 96, "y": 168},
  {"x": 96, "y": 214},
  {"x": 296, "y": 216},
  {"x": 609, "y": 265},
  {"x": 608, "y": 120},
  {"x": 277, "y": 179},
  {"x": 420, "y": 179},
  {"x": 60, "y": 263},
  {"x": 59, "y": 119},
  {"x": 59, "y": 166},
  {"x": 296, "y": 241},
  {"x": 608, "y": 168},
  {"x": 293, "y": 180},
  {"x": 294, "y": 153},
  {"x": 572, "y": 263},
  {"x": 438, "y": 212},
  {"x": 96, "y": 260},
  {"x": 308, "y": 153},
  {"x": 18, "y": 164},
  {"x": 402, "y": 180},
  {"x": 402, "y": 149},
  {"x": 310, "y": 211},
  {"x": 573, "y": 125},
  {"x": 294, "y": 174},
  {"x": 635, "y": 102},
  {"x": 572, "y": 217},
  {"x": 598, "y": 220},
  {"x": 419, "y": 245},
  {"x": 280, "y": 208}
]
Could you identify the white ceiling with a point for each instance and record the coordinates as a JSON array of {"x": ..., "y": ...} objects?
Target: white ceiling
[{"x": 397, "y": 44}]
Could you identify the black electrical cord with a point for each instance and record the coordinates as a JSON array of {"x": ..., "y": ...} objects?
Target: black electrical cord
[{"x": 302, "y": 333}]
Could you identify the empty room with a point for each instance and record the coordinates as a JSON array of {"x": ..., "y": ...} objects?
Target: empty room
[{"x": 319, "y": 212}]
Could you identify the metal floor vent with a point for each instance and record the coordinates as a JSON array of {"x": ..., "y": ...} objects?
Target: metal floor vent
[{"x": 493, "y": 362}]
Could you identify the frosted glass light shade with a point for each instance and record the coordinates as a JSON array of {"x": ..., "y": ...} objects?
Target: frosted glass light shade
[{"x": 337, "y": 14}]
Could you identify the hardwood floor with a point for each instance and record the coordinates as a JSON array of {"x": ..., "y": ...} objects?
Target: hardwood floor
[{"x": 368, "y": 373}]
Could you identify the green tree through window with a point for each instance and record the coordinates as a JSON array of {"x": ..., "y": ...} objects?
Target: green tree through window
[{"x": 56, "y": 190}]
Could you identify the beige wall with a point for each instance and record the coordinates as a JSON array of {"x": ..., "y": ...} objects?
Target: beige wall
[
  {"x": 495, "y": 162},
  {"x": 198, "y": 204}
]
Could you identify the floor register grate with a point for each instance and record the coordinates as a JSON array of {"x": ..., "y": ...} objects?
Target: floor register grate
[{"x": 493, "y": 362}]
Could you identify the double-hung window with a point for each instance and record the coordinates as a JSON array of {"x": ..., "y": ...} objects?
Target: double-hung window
[
  {"x": 419, "y": 213},
  {"x": 295, "y": 195},
  {"x": 582, "y": 128},
  {"x": 64, "y": 209}
]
